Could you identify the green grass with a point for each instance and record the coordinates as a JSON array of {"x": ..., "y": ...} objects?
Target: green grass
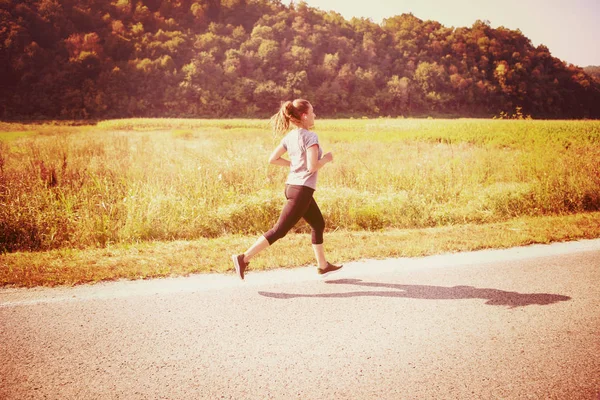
[
  {"x": 69, "y": 192},
  {"x": 10, "y": 136},
  {"x": 129, "y": 181},
  {"x": 179, "y": 258}
]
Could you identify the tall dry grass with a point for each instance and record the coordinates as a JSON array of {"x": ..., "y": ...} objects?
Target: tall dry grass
[{"x": 127, "y": 181}]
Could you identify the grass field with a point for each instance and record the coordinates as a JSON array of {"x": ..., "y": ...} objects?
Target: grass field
[{"x": 127, "y": 182}]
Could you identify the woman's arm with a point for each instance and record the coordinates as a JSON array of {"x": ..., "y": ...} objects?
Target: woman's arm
[
  {"x": 275, "y": 157},
  {"x": 312, "y": 158}
]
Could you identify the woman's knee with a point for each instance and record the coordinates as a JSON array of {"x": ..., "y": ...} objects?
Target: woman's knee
[
  {"x": 318, "y": 225},
  {"x": 275, "y": 234},
  {"x": 317, "y": 237},
  {"x": 318, "y": 228}
]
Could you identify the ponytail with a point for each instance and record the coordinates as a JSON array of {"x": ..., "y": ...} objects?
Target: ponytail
[{"x": 289, "y": 111}]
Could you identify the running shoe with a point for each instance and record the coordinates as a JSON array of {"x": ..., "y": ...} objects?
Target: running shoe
[
  {"x": 330, "y": 269},
  {"x": 240, "y": 265}
]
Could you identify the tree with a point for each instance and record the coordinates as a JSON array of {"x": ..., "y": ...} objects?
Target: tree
[
  {"x": 399, "y": 90},
  {"x": 111, "y": 58}
]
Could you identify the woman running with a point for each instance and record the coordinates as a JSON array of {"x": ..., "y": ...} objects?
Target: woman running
[{"x": 305, "y": 160}]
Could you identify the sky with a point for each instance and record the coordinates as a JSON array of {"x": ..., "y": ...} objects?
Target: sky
[{"x": 569, "y": 28}]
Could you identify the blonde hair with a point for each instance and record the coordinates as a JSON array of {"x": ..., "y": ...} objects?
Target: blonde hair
[{"x": 290, "y": 111}]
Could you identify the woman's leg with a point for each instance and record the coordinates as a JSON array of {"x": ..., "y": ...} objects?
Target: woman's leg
[
  {"x": 258, "y": 246},
  {"x": 298, "y": 200},
  {"x": 315, "y": 219},
  {"x": 320, "y": 256}
]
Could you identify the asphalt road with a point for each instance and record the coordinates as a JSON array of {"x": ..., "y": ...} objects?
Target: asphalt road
[{"x": 511, "y": 324}]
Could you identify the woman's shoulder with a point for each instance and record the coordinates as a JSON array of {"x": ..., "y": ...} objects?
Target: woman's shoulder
[
  {"x": 306, "y": 132},
  {"x": 309, "y": 138},
  {"x": 300, "y": 135}
]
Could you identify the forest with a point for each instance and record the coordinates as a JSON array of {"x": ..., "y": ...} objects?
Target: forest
[{"x": 100, "y": 59}]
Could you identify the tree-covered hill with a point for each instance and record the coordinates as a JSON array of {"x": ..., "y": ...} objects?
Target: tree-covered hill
[{"x": 233, "y": 58}]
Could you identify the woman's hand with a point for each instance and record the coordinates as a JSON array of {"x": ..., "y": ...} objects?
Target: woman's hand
[{"x": 328, "y": 157}]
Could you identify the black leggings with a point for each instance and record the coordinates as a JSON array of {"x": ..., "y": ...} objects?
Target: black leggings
[{"x": 300, "y": 204}]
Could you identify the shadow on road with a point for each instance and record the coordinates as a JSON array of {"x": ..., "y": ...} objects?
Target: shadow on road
[{"x": 494, "y": 297}]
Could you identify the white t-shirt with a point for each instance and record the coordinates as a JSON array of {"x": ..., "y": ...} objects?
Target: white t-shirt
[{"x": 296, "y": 142}]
